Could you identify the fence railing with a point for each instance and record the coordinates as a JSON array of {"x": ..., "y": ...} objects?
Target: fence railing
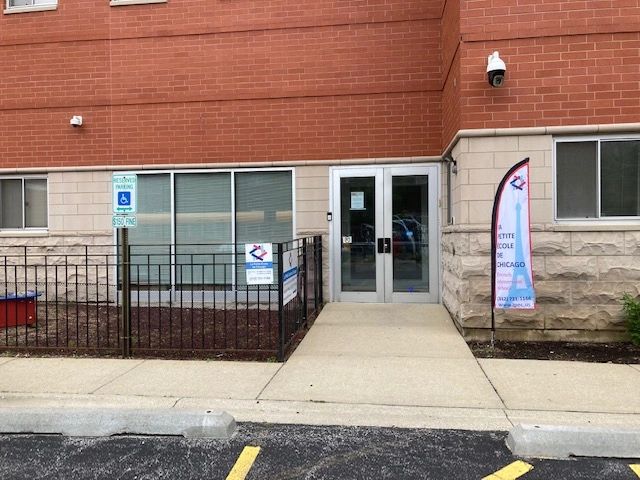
[{"x": 184, "y": 300}]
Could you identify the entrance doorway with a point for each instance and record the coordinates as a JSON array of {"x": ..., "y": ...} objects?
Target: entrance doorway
[{"x": 385, "y": 234}]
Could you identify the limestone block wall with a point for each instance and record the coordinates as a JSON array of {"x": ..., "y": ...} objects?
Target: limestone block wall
[
  {"x": 70, "y": 260},
  {"x": 63, "y": 268},
  {"x": 79, "y": 214},
  {"x": 581, "y": 270},
  {"x": 312, "y": 204},
  {"x": 579, "y": 276},
  {"x": 483, "y": 161},
  {"x": 80, "y": 202}
]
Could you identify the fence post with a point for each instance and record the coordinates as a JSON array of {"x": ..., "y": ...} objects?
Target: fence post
[
  {"x": 305, "y": 283},
  {"x": 280, "y": 307},
  {"x": 126, "y": 295},
  {"x": 319, "y": 270}
]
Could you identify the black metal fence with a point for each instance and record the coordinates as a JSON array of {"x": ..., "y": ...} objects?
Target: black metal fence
[{"x": 184, "y": 300}]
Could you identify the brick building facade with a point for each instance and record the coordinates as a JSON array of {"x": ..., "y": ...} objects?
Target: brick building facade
[{"x": 361, "y": 108}]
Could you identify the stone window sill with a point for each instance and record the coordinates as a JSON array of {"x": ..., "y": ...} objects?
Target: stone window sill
[
  {"x": 611, "y": 226},
  {"x": 34, "y": 8},
  {"x": 120, "y": 3},
  {"x": 24, "y": 233}
]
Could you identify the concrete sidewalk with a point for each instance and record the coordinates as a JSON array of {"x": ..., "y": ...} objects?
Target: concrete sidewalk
[{"x": 377, "y": 365}]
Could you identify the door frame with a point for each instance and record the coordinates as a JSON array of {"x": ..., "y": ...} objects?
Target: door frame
[{"x": 378, "y": 171}]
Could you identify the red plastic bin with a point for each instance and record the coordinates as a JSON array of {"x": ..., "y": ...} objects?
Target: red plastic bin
[{"x": 18, "y": 309}]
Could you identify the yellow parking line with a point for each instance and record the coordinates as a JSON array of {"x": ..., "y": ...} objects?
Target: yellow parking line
[
  {"x": 244, "y": 463},
  {"x": 511, "y": 471},
  {"x": 636, "y": 469}
]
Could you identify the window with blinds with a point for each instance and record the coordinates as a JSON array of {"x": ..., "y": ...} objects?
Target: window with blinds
[
  {"x": 264, "y": 211},
  {"x": 190, "y": 225},
  {"x": 151, "y": 240},
  {"x": 203, "y": 228}
]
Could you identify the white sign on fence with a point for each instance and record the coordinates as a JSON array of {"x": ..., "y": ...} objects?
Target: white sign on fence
[
  {"x": 289, "y": 275},
  {"x": 258, "y": 259}
]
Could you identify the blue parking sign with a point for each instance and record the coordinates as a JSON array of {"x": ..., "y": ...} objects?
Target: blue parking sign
[{"x": 124, "y": 199}]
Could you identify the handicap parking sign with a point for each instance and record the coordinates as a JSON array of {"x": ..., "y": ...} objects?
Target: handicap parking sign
[
  {"x": 124, "y": 194},
  {"x": 124, "y": 199}
]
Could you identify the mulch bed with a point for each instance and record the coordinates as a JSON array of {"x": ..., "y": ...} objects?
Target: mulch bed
[
  {"x": 617, "y": 352},
  {"x": 156, "y": 331}
]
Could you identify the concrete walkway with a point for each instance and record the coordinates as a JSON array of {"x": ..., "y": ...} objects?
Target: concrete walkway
[{"x": 361, "y": 364}]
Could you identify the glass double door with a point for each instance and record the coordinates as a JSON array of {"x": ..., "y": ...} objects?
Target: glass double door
[{"x": 385, "y": 233}]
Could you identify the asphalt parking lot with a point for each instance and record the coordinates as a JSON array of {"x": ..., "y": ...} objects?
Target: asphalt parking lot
[{"x": 291, "y": 452}]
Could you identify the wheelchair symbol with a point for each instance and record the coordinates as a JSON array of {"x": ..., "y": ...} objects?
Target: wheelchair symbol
[{"x": 124, "y": 199}]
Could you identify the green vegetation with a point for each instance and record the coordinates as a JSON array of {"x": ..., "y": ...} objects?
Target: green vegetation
[{"x": 631, "y": 307}]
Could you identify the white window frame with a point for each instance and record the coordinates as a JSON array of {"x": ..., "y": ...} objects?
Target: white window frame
[
  {"x": 43, "y": 7},
  {"x": 22, "y": 179},
  {"x": 120, "y": 3},
  {"x": 599, "y": 139}
]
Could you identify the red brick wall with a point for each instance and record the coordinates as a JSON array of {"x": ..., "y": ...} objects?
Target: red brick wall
[
  {"x": 502, "y": 19},
  {"x": 200, "y": 80},
  {"x": 303, "y": 128},
  {"x": 569, "y": 62},
  {"x": 451, "y": 113},
  {"x": 451, "y": 102},
  {"x": 211, "y": 80}
]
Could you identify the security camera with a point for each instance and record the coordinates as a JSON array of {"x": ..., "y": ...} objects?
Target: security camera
[
  {"x": 76, "y": 121},
  {"x": 495, "y": 70}
]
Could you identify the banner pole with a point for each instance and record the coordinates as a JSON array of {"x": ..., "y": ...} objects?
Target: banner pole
[{"x": 493, "y": 328}]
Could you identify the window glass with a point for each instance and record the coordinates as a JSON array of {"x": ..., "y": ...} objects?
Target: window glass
[
  {"x": 35, "y": 203},
  {"x": 204, "y": 244},
  {"x": 203, "y": 216},
  {"x": 620, "y": 178},
  {"x": 264, "y": 211},
  {"x": 30, "y": 3},
  {"x": 151, "y": 240},
  {"x": 576, "y": 179},
  {"x": 11, "y": 207}
]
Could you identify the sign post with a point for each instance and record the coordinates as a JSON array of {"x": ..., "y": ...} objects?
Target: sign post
[
  {"x": 126, "y": 294},
  {"x": 511, "y": 270},
  {"x": 124, "y": 189}
]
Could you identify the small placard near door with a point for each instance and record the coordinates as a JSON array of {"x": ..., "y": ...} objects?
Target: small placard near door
[{"x": 357, "y": 201}]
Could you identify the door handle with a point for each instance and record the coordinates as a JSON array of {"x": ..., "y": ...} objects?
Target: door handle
[{"x": 384, "y": 245}]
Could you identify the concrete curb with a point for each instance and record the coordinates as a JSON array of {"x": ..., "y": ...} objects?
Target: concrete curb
[
  {"x": 549, "y": 441},
  {"x": 93, "y": 422}
]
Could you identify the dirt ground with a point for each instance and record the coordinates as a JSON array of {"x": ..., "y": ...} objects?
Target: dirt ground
[
  {"x": 158, "y": 332},
  {"x": 617, "y": 352}
]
